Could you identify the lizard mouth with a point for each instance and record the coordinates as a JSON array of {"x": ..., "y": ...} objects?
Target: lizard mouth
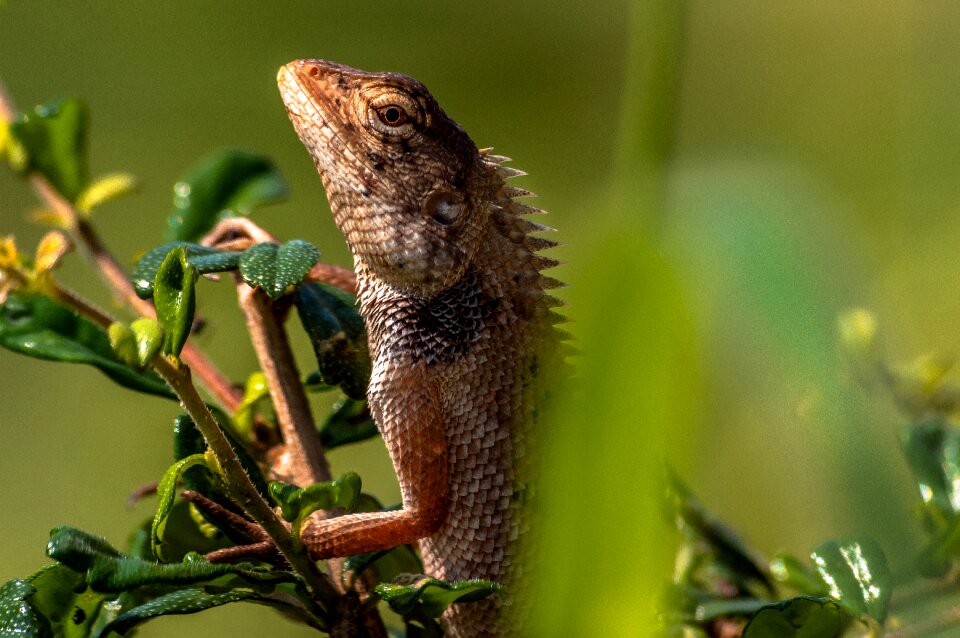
[{"x": 316, "y": 96}]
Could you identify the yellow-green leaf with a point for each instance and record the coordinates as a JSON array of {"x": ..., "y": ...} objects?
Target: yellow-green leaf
[{"x": 105, "y": 189}]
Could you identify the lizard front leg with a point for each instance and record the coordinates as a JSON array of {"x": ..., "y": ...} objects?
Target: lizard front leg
[{"x": 406, "y": 405}]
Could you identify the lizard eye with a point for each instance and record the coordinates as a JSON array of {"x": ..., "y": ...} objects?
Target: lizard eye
[{"x": 392, "y": 115}]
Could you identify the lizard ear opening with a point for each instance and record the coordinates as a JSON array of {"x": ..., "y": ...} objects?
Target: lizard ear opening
[{"x": 443, "y": 207}]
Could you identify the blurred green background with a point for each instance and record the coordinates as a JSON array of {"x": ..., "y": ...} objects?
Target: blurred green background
[{"x": 726, "y": 178}]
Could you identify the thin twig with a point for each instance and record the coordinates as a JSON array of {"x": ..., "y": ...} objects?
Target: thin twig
[
  {"x": 239, "y": 484},
  {"x": 116, "y": 277},
  {"x": 7, "y": 110},
  {"x": 83, "y": 307},
  {"x": 338, "y": 276}
]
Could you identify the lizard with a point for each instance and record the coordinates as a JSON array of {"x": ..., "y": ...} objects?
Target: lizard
[{"x": 459, "y": 318}]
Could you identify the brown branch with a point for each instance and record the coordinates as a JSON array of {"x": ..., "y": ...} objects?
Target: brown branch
[
  {"x": 7, "y": 109},
  {"x": 343, "y": 278},
  {"x": 302, "y": 461}
]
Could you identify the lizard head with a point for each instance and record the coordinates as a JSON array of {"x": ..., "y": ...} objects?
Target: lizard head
[{"x": 405, "y": 182}]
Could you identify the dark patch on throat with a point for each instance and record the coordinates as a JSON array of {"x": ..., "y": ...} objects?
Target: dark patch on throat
[{"x": 445, "y": 327}]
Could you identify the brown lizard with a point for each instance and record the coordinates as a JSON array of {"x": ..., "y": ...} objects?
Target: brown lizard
[{"x": 458, "y": 320}]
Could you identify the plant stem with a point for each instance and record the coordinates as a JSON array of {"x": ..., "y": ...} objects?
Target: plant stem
[
  {"x": 343, "y": 278},
  {"x": 241, "y": 488},
  {"x": 82, "y": 307},
  {"x": 303, "y": 462}
]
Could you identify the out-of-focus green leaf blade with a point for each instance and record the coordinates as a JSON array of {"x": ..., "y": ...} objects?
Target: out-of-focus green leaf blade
[
  {"x": 166, "y": 494},
  {"x": 337, "y": 334},
  {"x": 206, "y": 260},
  {"x": 175, "y": 298},
  {"x": 182, "y": 601},
  {"x": 350, "y": 422},
  {"x": 39, "y": 327},
  {"x": 225, "y": 183},
  {"x": 108, "y": 570},
  {"x": 276, "y": 267},
  {"x": 856, "y": 575},
  {"x": 433, "y": 595},
  {"x": 801, "y": 617},
  {"x": 54, "y": 137}
]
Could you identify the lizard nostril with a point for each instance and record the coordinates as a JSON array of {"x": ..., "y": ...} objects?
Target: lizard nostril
[{"x": 314, "y": 71}]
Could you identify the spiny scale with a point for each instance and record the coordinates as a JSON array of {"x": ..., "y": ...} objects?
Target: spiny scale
[{"x": 460, "y": 326}]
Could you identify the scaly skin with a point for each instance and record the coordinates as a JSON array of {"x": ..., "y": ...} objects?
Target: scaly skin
[{"x": 450, "y": 287}]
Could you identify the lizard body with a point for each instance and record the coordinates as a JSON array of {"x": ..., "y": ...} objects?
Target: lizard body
[{"x": 458, "y": 320}]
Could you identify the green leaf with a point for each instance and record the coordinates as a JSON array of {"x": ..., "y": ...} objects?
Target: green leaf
[
  {"x": 166, "y": 494},
  {"x": 54, "y": 137},
  {"x": 801, "y": 617},
  {"x": 149, "y": 339},
  {"x": 728, "y": 552},
  {"x": 434, "y": 596},
  {"x": 175, "y": 299},
  {"x": 932, "y": 449},
  {"x": 349, "y": 422},
  {"x": 186, "y": 532},
  {"x": 188, "y": 440},
  {"x": 937, "y": 556},
  {"x": 105, "y": 189},
  {"x": 181, "y": 601},
  {"x": 205, "y": 260},
  {"x": 124, "y": 343},
  {"x": 108, "y": 570},
  {"x": 338, "y": 337},
  {"x": 387, "y": 565},
  {"x": 39, "y": 327},
  {"x": 296, "y": 504},
  {"x": 72, "y": 609},
  {"x": 17, "y": 617},
  {"x": 275, "y": 268},
  {"x": 856, "y": 575},
  {"x": 789, "y": 571},
  {"x": 223, "y": 184},
  {"x": 256, "y": 392}
]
